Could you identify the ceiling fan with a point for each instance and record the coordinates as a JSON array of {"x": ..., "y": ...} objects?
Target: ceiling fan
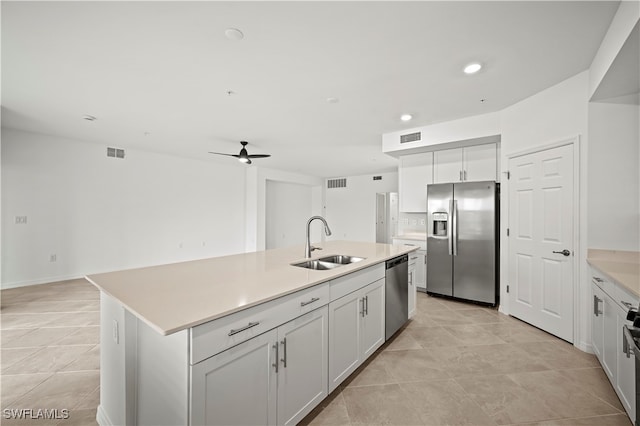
[{"x": 243, "y": 157}]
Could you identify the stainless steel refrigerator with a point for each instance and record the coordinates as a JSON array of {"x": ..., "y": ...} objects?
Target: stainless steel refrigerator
[
  {"x": 386, "y": 216},
  {"x": 462, "y": 240}
]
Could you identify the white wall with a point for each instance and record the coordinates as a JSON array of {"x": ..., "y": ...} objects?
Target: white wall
[
  {"x": 98, "y": 214},
  {"x": 555, "y": 114},
  {"x": 288, "y": 207},
  {"x": 256, "y": 202},
  {"x": 614, "y": 177},
  {"x": 351, "y": 211}
]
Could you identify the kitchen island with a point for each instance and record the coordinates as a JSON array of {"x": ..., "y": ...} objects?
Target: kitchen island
[{"x": 248, "y": 338}]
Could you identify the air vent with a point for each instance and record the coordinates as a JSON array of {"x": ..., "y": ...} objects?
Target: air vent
[
  {"x": 410, "y": 137},
  {"x": 115, "y": 152},
  {"x": 337, "y": 183},
  {"x": 377, "y": 178}
]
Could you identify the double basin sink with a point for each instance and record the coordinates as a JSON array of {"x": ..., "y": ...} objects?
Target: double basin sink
[{"x": 328, "y": 262}]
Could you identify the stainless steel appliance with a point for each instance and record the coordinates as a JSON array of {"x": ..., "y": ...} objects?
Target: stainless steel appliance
[
  {"x": 386, "y": 216},
  {"x": 396, "y": 294},
  {"x": 462, "y": 240}
]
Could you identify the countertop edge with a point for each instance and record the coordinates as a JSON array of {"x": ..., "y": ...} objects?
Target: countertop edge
[
  {"x": 336, "y": 273},
  {"x": 602, "y": 260}
]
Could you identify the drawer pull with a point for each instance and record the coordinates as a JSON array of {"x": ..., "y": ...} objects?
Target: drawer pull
[
  {"x": 599, "y": 280},
  {"x": 246, "y": 327},
  {"x": 313, "y": 299},
  {"x": 627, "y": 304}
]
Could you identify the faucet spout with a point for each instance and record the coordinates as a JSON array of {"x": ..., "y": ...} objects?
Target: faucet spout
[{"x": 308, "y": 248}]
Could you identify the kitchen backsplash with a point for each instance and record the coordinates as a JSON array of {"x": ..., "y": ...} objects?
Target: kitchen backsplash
[{"x": 411, "y": 223}]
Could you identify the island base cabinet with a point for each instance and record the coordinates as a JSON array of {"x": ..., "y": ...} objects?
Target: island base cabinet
[
  {"x": 275, "y": 378},
  {"x": 356, "y": 330},
  {"x": 237, "y": 386}
]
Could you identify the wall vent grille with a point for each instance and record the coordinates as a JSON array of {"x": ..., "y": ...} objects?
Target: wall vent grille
[
  {"x": 410, "y": 137},
  {"x": 115, "y": 152},
  {"x": 337, "y": 183}
]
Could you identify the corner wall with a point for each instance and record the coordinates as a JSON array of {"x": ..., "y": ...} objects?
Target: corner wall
[{"x": 98, "y": 214}]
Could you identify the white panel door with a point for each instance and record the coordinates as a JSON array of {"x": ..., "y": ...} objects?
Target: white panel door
[
  {"x": 541, "y": 223},
  {"x": 302, "y": 375}
]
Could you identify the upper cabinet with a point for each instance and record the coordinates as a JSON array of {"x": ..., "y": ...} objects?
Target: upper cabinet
[
  {"x": 468, "y": 164},
  {"x": 415, "y": 173}
]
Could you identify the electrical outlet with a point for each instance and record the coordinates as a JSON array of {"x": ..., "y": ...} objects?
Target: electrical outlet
[
  {"x": 422, "y": 222},
  {"x": 53, "y": 258},
  {"x": 21, "y": 220}
]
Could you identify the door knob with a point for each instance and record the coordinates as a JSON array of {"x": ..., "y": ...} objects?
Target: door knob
[{"x": 564, "y": 252}]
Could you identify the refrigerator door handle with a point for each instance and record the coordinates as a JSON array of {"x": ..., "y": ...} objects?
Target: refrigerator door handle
[
  {"x": 454, "y": 227},
  {"x": 449, "y": 234}
]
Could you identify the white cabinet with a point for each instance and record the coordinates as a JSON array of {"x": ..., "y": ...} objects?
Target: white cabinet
[
  {"x": 597, "y": 321},
  {"x": 237, "y": 386},
  {"x": 276, "y": 377},
  {"x": 609, "y": 315},
  {"x": 412, "y": 285},
  {"x": 421, "y": 270},
  {"x": 356, "y": 324},
  {"x": 415, "y": 172},
  {"x": 468, "y": 164}
]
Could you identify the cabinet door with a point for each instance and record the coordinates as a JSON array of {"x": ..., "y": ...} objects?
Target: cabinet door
[
  {"x": 447, "y": 165},
  {"x": 344, "y": 337},
  {"x": 421, "y": 270},
  {"x": 414, "y": 174},
  {"x": 479, "y": 163},
  {"x": 626, "y": 380},
  {"x": 610, "y": 345},
  {"x": 302, "y": 375},
  {"x": 597, "y": 321},
  {"x": 372, "y": 334},
  {"x": 237, "y": 386},
  {"x": 412, "y": 286}
]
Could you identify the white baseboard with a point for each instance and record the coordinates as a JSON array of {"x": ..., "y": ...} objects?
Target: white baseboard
[
  {"x": 102, "y": 418},
  {"x": 26, "y": 283}
]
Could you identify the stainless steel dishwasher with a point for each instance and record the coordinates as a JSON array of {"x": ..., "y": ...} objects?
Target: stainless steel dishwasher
[{"x": 396, "y": 294}]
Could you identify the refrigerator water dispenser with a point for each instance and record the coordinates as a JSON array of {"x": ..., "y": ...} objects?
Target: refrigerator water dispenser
[{"x": 440, "y": 220}]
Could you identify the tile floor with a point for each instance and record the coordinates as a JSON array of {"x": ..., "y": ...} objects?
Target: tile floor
[{"x": 454, "y": 363}]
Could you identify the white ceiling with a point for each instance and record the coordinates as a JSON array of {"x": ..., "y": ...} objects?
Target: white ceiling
[{"x": 156, "y": 74}]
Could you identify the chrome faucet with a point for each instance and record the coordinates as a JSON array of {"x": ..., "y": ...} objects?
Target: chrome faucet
[{"x": 308, "y": 248}]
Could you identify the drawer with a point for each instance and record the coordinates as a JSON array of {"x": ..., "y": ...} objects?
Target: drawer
[
  {"x": 601, "y": 281},
  {"x": 355, "y": 281},
  {"x": 623, "y": 297},
  {"x": 218, "y": 335}
]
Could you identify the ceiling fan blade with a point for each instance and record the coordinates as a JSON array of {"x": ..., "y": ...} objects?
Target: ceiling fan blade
[
  {"x": 222, "y": 153},
  {"x": 259, "y": 155}
]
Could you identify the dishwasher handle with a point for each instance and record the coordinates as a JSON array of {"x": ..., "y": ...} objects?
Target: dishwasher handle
[{"x": 397, "y": 261}]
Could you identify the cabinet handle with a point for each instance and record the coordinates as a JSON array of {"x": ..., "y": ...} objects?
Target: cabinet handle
[
  {"x": 460, "y": 175},
  {"x": 246, "y": 327},
  {"x": 313, "y": 299},
  {"x": 464, "y": 175},
  {"x": 366, "y": 304},
  {"x": 599, "y": 280},
  {"x": 275, "y": 364},
  {"x": 627, "y": 304},
  {"x": 596, "y": 305},
  {"x": 284, "y": 347},
  {"x": 414, "y": 258},
  {"x": 362, "y": 311},
  {"x": 411, "y": 278}
]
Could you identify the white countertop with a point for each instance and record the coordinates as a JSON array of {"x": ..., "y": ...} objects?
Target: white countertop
[
  {"x": 177, "y": 296},
  {"x": 623, "y": 267}
]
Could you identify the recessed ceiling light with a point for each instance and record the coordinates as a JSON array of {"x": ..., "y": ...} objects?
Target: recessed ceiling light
[
  {"x": 233, "y": 34},
  {"x": 406, "y": 117},
  {"x": 89, "y": 117},
  {"x": 472, "y": 68},
  {"x": 333, "y": 100}
]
